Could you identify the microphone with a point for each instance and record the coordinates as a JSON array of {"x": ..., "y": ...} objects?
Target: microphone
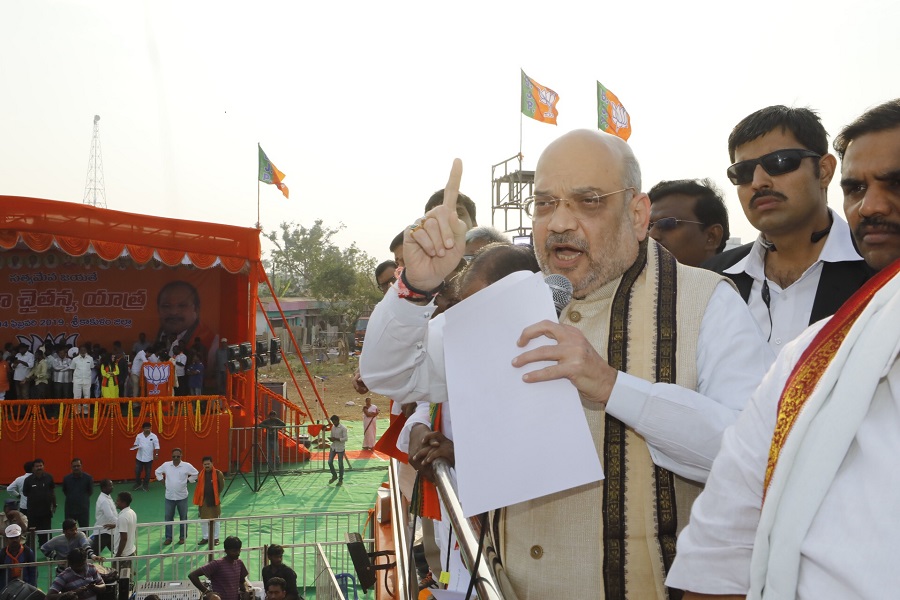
[{"x": 562, "y": 291}]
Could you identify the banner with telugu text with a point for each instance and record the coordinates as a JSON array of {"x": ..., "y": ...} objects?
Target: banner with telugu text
[{"x": 56, "y": 298}]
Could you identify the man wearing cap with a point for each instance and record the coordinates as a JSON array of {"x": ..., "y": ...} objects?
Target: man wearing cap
[
  {"x": 15, "y": 553},
  {"x": 147, "y": 445}
]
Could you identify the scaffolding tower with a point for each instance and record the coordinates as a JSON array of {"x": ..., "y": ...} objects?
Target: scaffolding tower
[
  {"x": 94, "y": 187},
  {"x": 511, "y": 187}
]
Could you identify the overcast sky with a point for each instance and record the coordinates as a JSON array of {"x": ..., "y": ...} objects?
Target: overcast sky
[{"x": 363, "y": 105}]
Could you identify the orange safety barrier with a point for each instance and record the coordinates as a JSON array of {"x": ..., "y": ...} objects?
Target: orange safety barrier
[{"x": 199, "y": 425}]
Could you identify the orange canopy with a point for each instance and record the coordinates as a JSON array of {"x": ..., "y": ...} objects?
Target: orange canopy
[{"x": 80, "y": 228}]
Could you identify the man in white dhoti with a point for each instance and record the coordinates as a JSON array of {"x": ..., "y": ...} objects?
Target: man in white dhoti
[{"x": 801, "y": 501}]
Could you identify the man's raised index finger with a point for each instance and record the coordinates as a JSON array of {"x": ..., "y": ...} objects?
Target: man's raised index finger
[{"x": 451, "y": 190}]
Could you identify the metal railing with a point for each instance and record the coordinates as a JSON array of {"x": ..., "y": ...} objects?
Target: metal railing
[
  {"x": 299, "y": 534},
  {"x": 491, "y": 584}
]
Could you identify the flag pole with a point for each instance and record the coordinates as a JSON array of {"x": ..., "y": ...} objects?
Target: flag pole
[
  {"x": 258, "y": 223},
  {"x": 520, "y": 133}
]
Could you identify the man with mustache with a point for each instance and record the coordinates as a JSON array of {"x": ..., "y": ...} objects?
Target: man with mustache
[
  {"x": 803, "y": 265},
  {"x": 663, "y": 356},
  {"x": 801, "y": 500}
]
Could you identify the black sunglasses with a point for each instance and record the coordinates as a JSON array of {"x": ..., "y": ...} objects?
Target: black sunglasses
[
  {"x": 670, "y": 223},
  {"x": 774, "y": 163}
]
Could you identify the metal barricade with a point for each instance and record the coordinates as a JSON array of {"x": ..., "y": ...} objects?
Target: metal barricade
[{"x": 299, "y": 534}]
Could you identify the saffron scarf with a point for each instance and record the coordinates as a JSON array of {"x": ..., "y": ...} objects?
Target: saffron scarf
[{"x": 200, "y": 492}]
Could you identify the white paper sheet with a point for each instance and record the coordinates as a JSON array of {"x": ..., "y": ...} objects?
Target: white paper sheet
[
  {"x": 447, "y": 595},
  {"x": 502, "y": 425}
]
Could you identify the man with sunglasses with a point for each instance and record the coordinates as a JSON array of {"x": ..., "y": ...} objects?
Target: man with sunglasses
[
  {"x": 384, "y": 275},
  {"x": 801, "y": 501},
  {"x": 664, "y": 357},
  {"x": 689, "y": 218},
  {"x": 803, "y": 265}
]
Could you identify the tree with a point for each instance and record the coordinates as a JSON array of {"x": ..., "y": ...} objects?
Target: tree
[{"x": 306, "y": 262}]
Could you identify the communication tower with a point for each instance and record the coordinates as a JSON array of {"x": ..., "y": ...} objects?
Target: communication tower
[{"x": 94, "y": 187}]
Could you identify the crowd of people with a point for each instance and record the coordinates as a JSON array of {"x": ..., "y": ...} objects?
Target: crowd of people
[
  {"x": 64, "y": 371},
  {"x": 739, "y": 400},
  {"x": 33, "y": 503},
  {"x": 743, "y": 402}
]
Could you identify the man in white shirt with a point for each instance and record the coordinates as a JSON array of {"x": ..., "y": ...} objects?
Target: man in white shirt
[
  {"x": 338, "y": 444},
  {"x": 104, "y": 518},
  {"x": 180, "y": 363},
  {"x": 61, "y": 365},
  {"x": 801, "y": 500},
  {"x": 82, "y": 372},
  {"x": 126, "y": 529},
  {"x": 147, "y": 445},
  {"x": 22, "y": 364},
  {"x": 15, "y": 488},
  {"x": 140, "y": 358},
  {"x": 803, "y": 265},
  {"x": 176, "y": 474}
]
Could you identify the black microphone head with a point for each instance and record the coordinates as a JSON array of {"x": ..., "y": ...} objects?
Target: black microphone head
[{"x": 562, "y": 291}]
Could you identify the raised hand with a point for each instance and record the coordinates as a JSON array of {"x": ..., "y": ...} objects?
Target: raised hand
[
  {"x": 435, "y": 243},
  {"x": 575, "y": 358}
]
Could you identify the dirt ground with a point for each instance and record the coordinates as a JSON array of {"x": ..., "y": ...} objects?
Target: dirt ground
[{"x": 333, "y": 382}]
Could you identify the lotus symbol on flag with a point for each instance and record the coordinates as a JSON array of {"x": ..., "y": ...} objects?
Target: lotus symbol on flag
[
  {"x": 34, "y": 342},
  {"x": 548, "y": 97},
  {"x": 156, "y": 375},
  {"x": 619, "y": 116}
]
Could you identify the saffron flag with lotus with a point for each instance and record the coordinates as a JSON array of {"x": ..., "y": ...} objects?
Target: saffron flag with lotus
[
  {"x": 269, "y": 173},
  {"x": 538, "y": 101},
  {"x": 611, "y": 115}
]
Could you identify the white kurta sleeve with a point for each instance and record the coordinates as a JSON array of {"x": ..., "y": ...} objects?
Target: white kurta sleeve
[
  {"x": 683, "y": 427},
  {"x": 714, "y": 550},
  {"x": 403, "y": 357}
]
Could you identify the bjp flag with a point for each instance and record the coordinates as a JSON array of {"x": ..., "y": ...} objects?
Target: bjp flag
[
  {"x": 269, "y": 173},
  {"x": 611, "y": 115},
  {"x": 538, "y": 102}
]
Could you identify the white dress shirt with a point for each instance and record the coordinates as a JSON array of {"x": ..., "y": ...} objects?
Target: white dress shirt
[
  {"x": 180, "y": 362},
  {"x": 15, "y": 489},
  {"x": 848, "y": 551},
  {"x": 791, "y": 307},
  {"x": 104, "y": 513},
  {"x": 404, "y": 360},
  {"x": 177, "y": 478},
  {"x": 139, "y": 359},
  {"x": 62, "y": 368},
  {"x": 147, "y": 445},
  {"x": 21, "y": 371},
  {"x": 126, "y": 523},
  {"x": 82, "y": 367}
]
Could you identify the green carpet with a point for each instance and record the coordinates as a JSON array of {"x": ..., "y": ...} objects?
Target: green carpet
[{"x": 304, "y": 493}]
